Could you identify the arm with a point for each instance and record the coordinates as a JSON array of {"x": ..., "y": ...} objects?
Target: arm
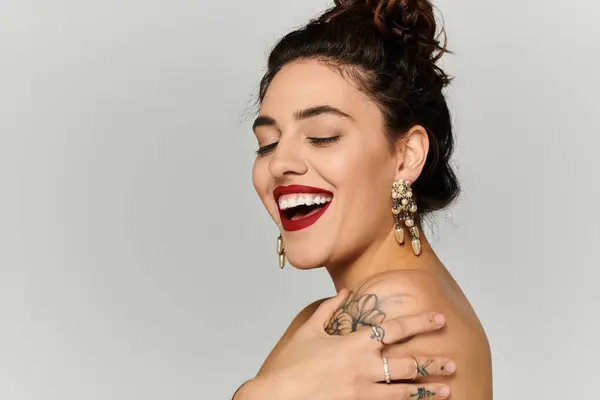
[
  {"x": 296, "y": 323},
  {"x": 246, "y": 389},
  {"x": 309, "y": 364}
]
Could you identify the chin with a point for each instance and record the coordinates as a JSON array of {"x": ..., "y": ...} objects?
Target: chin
[{"x": 305, "y": 261}]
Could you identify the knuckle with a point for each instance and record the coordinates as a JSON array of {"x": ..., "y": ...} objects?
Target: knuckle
[
  {"x": 368, "y": 342},
  {"x": 405, "y": 368},
  {"x": 430, "y": 366},
  {"x": 401, "y": 328},
  {"x": 403, "y": 393}
]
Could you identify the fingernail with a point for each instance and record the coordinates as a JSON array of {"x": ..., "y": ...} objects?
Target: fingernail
[
  {"x": 450, "y": 367},
  {"x": 444, "y": 391},
  {"x": 439, "y": 319}
]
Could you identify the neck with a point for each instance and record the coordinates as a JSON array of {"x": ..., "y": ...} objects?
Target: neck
[{"x": 383, "y": 256}]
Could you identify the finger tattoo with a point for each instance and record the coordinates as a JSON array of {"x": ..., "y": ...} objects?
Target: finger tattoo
[
  {"x": 422, "y": 394},
  {"x": 422, "y": 369}
]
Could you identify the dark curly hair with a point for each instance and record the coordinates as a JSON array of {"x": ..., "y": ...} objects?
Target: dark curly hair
[{"x": 390, "y": 49}]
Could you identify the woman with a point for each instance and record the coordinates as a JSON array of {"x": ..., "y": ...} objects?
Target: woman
[{"x": 355, "y": 139}]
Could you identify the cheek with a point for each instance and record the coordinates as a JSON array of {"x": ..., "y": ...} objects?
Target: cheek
[
  {"x": 262, "y": 182},
  {"x": 364, "y": 178},
  {"x": 362, "y": 168},
  {"x": 260, "y": 179},
  {"x": 257, "y": 179}
]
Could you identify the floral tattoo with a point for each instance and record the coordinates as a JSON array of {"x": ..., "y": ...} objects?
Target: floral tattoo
[{"x": 356, "y": 313}]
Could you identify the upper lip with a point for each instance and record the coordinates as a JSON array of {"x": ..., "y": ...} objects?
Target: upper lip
[{"x": 291, "y": 189}]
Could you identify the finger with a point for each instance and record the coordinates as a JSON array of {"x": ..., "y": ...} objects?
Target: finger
[
  {"x": 410, "y": 367},
  {"x": 425, "y": 366},
  {"x": 405, "y": 327},
  {"x": 400, "y": 391},
  {"x": 326, "y": 309}
]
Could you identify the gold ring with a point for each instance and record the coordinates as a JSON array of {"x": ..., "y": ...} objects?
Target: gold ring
[
  {"x": 386, "y": 370},
  {"x": 416, "y": 368}
]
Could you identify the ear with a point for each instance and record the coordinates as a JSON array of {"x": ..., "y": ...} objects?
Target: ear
[{"x": 412, "y": 150}]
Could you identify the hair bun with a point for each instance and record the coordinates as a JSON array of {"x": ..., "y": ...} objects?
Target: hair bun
[{"x": 412, "y": 22}]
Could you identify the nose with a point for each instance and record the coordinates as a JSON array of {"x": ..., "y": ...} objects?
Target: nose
[{"x": 287, "y": 159}]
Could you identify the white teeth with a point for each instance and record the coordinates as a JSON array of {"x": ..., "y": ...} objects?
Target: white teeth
[{"x": 294, "y": 200}]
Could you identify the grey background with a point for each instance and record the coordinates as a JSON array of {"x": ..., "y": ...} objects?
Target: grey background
[{"x": 136, "y": 261}]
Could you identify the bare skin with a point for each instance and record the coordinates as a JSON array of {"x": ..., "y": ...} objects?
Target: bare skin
[
  {"x": 316, "y": 128},
  {"x": 398, "y": 292}
]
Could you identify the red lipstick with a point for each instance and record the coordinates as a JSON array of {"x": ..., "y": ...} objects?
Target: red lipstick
[{"x": 302, "y": 223}]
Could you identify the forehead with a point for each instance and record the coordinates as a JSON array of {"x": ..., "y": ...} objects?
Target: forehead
[{"x": 310, "y": 83}]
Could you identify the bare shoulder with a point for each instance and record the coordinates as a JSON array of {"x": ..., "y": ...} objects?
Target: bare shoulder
[
  {"x": 406, "y": 292},
  {"x": 296, "y": 323},
  {"x": 399, "y": 293},
  {"x": 388, "y": 295}
]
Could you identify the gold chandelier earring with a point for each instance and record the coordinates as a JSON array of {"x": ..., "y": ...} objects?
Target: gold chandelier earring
[
  {"x": 405, "y": 213},
  {"x": 281, "y": 252}
]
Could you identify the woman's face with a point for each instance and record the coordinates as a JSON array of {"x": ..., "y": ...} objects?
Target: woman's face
[{"x": 325, "y": 171}]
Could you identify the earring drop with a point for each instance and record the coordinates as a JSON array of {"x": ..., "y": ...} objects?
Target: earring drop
[
  {"x": 280, "y": 252},
  {"x": 404, "y": 210}
]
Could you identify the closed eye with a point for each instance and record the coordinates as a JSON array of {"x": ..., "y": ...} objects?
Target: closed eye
[
  {"x": 266, "y": 149},
  {"x": 324, "y": 141},
  {"x": 316, "y": 141}
]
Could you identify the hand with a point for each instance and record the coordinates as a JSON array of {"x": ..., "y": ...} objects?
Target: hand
[{"x": 315, "y": 365}]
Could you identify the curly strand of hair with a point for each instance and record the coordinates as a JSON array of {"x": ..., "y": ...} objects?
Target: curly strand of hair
[{"x": 411, "y": 20}]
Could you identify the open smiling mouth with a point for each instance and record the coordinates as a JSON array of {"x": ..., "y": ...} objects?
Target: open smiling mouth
[{"x": 301, "y": 206}]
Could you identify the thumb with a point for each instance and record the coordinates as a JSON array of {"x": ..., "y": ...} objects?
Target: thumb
[{"x": 326, "y": 309}]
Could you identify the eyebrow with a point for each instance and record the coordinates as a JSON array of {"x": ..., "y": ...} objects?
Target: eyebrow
[{"x": 265, "y": 120}]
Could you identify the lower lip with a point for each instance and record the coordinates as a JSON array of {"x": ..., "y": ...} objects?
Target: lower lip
[{"x": 302, "y": 223}]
